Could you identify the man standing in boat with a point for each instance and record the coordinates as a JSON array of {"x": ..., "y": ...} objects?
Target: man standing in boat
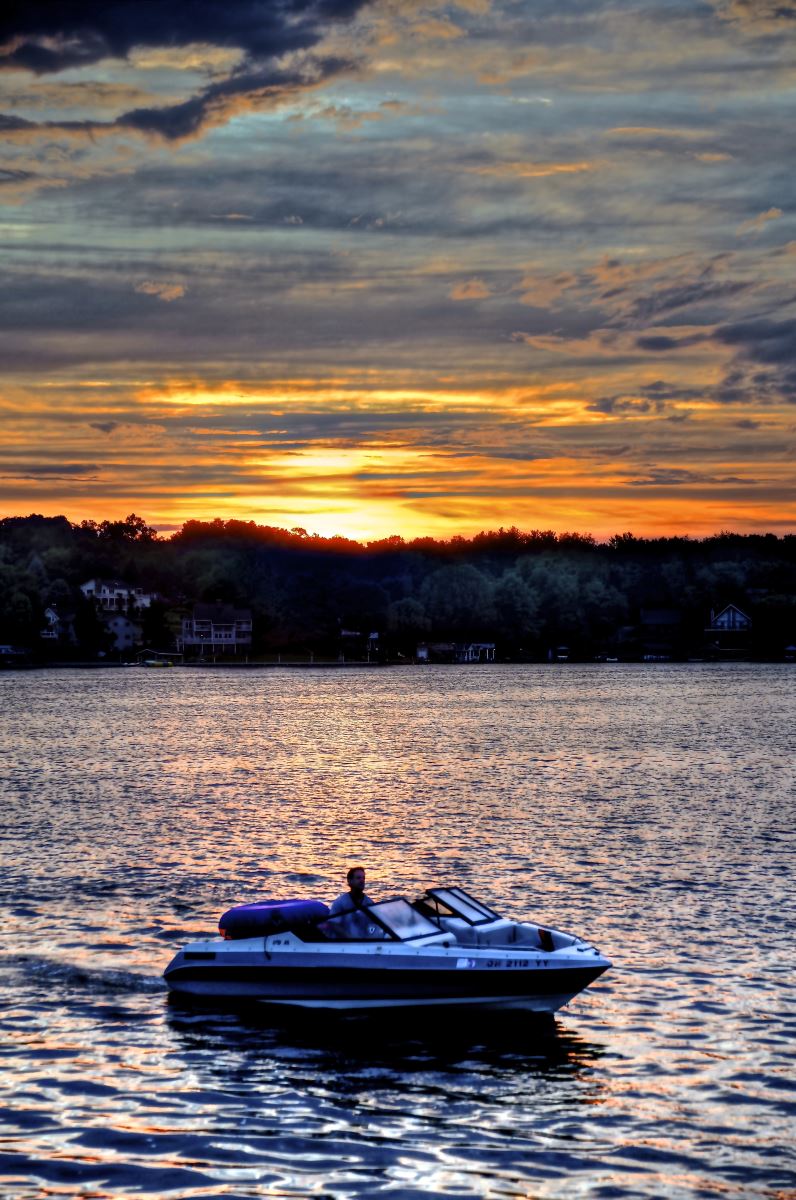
[{"x": 354, "y": 899}]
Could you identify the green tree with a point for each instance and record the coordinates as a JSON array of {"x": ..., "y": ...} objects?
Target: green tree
[
  {"x": 92, "y": 636},
  {"x": 516, "y": 608},
  {"x": 458, "y": 599},
  {"x": 131, "y": 529},
  {"x": 19, "y": 621}
]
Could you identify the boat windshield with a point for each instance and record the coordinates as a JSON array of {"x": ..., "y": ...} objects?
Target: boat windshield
[
  {"x": 455, "y": 902},
  {"x": 385, "y": 921},
  {"x": 402, "y": 920}
]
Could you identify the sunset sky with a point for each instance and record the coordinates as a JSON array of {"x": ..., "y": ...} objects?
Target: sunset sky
[{"x": 399, "y": 267}]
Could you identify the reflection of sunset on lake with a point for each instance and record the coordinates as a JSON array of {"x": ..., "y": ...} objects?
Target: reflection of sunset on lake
[{"x": 645, "y": 806}]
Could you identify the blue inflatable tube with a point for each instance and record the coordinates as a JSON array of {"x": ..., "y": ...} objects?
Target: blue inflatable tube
[{"x": 269, "y": 916}]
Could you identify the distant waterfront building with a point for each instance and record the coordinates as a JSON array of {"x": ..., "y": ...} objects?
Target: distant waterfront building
[
  {"x": 113, "y": 595},
  {"x": 729, "y": 631},
  {"x": 474, "y": 652},
  {"x": 730, "y": 620},
  {"x": 59, "y": 627},
  {"x": 660, "y": 633},
  {"x": 455, "y": 652},
  {"x": 217, "y": 628},
  {"x": 124, "y": 632}
]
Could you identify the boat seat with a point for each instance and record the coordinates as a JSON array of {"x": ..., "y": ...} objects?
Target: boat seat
[
  {"x": 514, "y": 933},
  {"x": 527, "y": 935},
  {"x": 498, "y": 933},
  {"x": 463, "y": 932}
]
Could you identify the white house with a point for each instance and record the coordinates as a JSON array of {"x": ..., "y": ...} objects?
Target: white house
[
  {"x": 59, "y": 627},
  {"x": 125, "y": 633},
  {"x": 113, "y": 595},
  {"x": 473, "y": 652},
  {"x": 219, "y": 628}
]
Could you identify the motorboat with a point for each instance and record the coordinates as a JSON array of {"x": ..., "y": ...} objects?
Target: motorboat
[{"x": 444, "y": 949}]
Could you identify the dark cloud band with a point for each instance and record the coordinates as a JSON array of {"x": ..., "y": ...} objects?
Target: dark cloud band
[{"x": 50, "y": 37}]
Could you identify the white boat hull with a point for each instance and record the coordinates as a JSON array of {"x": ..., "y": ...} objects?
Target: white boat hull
[{"x": 362, "y": 978}]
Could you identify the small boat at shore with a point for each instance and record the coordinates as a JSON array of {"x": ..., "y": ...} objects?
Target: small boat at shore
[{"x": 445, "y": 949}]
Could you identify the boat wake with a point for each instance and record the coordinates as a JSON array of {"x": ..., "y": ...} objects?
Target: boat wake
[{"x": 50, "y": 972}]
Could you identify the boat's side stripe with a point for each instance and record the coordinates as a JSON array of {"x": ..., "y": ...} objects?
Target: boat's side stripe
[{"x": 337, "y": 982}]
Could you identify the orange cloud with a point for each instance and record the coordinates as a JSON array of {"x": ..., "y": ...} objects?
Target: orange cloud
[
  {"x": 473, "y": 289},
  {"x": 532, "y": 170},
  {"x": 755, "y": 224},
  {"x": 163, "y": 291}
]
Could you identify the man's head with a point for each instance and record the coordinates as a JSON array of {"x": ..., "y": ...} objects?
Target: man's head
[{"x": 356, "y": 879}]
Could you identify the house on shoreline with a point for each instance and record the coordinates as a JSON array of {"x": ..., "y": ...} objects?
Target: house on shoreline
[
  {"x": 59, "y": 626},
  {"x": 118, "y": 606},
  {"x": 113, "y": 595},
  {"x": 729, "y": 632},
  {"x": 455, "y": 652},
  {"x": 215, "y": 629}
]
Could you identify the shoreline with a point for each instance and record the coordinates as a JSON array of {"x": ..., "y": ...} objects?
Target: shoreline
[{"x": 371, "y": 666}]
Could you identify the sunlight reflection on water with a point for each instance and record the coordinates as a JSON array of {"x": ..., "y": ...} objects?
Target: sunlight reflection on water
[{"x": 650, "y": 809}]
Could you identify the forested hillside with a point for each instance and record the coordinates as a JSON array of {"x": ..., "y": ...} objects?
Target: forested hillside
[{"x": 526, "y": 591}]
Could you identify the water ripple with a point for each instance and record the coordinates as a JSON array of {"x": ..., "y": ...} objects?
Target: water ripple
[{"x": 652, "y": 810}]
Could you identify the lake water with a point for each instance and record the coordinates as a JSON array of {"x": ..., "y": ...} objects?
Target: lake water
[{"x": 649, "y": 808}]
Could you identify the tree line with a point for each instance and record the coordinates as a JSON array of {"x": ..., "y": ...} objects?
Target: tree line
[{"x": 525, "y": 591}]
